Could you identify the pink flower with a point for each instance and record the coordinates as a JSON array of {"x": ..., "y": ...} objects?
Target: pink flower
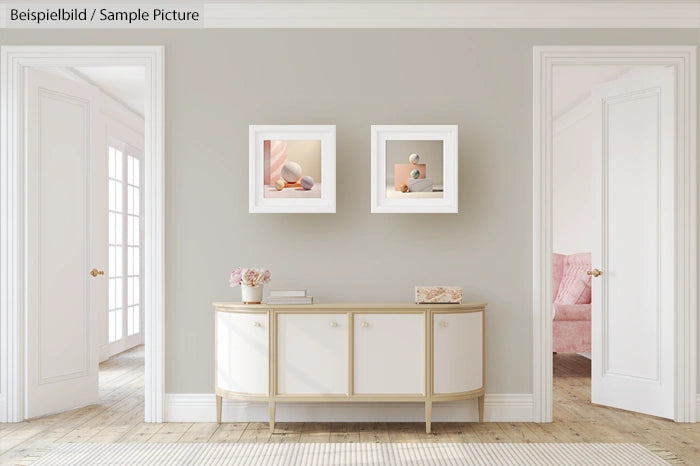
[
  {"x": 249, "y": 276},
  {"x": 236, "y": 277}
]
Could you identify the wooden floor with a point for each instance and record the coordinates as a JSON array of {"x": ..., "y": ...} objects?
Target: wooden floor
[{"x": 119, "y": 418}]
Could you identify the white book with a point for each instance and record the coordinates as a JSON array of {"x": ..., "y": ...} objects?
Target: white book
[
  {"x": 290, "y": 300},
  {"x": 287, "y": 293}
]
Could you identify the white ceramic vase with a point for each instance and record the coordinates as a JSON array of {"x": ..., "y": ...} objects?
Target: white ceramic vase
[{"x": 251, "y": 294}]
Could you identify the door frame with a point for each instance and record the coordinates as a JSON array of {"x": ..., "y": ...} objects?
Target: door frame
[
  {"x": 683, "y": 59},
  {"x": 14, "y": 61}
]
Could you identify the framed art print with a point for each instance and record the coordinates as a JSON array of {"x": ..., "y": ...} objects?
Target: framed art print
[
  {"x": 414, "y": 169},
  {"x": 292, "y": 168}
]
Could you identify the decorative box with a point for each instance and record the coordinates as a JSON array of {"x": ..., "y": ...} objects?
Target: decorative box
[{"x": 438, "y": 294}]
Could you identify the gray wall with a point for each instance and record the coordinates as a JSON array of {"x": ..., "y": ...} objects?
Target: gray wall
[{"x": 220, "y": 81}]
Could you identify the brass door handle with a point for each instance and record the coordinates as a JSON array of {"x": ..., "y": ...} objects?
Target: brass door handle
[
  {"x": 95, "y": 272},
  {"x": 595, "y": 273}
]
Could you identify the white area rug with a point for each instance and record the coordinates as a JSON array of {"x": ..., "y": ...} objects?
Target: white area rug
[{"x": 254, "y": 454}]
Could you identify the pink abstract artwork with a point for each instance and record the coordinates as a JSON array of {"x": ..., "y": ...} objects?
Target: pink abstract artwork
[{"x": 275, "y": 156}]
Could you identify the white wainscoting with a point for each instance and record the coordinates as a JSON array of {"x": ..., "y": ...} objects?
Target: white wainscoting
[{"x": 201, "y": 407}]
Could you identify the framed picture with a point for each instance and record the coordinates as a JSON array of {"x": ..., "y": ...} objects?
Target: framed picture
[
  {"x": 414, "y": 168},
  {"x": 292, "y": 168}
]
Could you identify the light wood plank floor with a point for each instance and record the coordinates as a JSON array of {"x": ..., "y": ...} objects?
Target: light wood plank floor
[{"x": 119, "y": 418}]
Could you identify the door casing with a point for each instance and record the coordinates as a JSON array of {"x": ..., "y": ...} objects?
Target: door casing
[
  {"x": 683, "y": 59},
  {"x": 13, "y": 252}
]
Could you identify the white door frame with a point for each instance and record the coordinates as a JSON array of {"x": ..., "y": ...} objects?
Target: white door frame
[
  {"x": 13, "y": 252},
  {"x": 683, "y": 58}
]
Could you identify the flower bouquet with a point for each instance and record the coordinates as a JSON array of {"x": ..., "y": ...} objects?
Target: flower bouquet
[{"x": 251, "y": 281}]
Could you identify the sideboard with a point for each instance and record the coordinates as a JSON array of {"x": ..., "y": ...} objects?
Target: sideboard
[{"x": 349, "y": 352}]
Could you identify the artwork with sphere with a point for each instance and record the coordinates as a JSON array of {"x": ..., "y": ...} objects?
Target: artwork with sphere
[
  {"x": 291, "y": 172},
  {"x": 292, "y": 168}
]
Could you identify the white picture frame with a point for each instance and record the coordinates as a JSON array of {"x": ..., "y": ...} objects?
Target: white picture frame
[
  {"x": 383, "y": 200},
  {"x": 262, "y": 197}
]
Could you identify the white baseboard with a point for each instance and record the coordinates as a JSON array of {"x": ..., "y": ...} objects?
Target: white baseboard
[
  {"x": 201, "y": 407},
  {"x": 697, "y": 408}
]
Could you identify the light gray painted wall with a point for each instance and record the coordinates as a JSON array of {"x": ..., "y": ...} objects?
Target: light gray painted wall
[{"x": 220, "y": 81}]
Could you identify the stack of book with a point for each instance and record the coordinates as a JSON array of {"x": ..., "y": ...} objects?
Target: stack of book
[{"x": 289, "y": 297}]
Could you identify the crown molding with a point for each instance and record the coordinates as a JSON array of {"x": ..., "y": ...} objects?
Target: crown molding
[{"x": 460, "y": 14}]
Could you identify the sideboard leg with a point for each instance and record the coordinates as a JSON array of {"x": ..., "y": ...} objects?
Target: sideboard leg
[
  {"x": 272, "y": 416},
  {"x": 218, "y": 409},
  {"x": 481, "y": 408},
  {"x": 428, "y": 415}
]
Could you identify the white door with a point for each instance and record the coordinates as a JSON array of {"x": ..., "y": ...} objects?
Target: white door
[
  {"x": 633, "y": 208},
  {"x": 66, "y": 233},
  {"x": 389, "y": 353},
  {"x": 312, "y": 354}
]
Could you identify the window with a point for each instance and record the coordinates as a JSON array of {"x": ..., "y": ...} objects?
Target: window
[{"x": 124, "y": 302}]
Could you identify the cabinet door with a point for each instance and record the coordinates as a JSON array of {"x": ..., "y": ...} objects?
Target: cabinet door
[
  {"x": 457, "y": 352},
  {"x": 242, "y": 352},
  {"x": 312, "y": 354},
  {"x": 389, "y": 353}
]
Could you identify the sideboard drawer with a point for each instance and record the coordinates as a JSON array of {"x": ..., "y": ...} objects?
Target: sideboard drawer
[
  {"x": 312, "y": 354},
  {"x": 242, "y": 352},
  {"x": 457, "y": 352},
  {"x": 389, "y": 353}
]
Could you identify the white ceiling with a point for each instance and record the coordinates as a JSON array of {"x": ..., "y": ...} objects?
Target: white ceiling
[
  {"x": 124, "y": 83},
  {"x": 573, "y": 84}
]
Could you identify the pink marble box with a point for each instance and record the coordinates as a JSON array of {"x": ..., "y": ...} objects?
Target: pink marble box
[
  {"x": 402, "y": 172},
  {"x": 438, "y": 294}
]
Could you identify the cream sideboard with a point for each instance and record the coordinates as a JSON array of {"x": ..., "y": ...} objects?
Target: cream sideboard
[{"x": 349, "y": 352}]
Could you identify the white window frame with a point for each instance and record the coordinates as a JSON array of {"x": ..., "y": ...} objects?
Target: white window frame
[{"x": 127, "y": 341}]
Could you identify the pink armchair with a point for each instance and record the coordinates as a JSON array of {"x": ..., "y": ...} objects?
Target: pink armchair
[{"x": 571, "y": 297}]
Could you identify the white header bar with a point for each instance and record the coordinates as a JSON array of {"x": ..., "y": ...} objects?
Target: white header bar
[{"x": 358, "y": 14}]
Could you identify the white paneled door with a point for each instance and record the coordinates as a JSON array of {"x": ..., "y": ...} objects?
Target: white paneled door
[
  {"x": 633, "y": 208},
  {"x": 66, "y": 228}
]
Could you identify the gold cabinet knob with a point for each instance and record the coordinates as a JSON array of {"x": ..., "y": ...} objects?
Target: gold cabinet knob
[
  {"x": 256, "y": 324},
  {"x": 334, "y": 324},
  {"x": 365, "y": 324},
  {"x": 95, "y": 272},
  {"x": 595, "y": 273},
  {"x": 443, "y": 324}
]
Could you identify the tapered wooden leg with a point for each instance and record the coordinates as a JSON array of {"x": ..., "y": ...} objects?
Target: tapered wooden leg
[
  {"x": 481, "y": 408},
  {"x": 272, "y": 416},
  {"x": 218, "y": 409},
  {"x": 428, "y": 415}
]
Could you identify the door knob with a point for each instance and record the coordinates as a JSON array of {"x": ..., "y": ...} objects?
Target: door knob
[
  {"x": 95, "y": 272},
  {"x": 595, "y": 273}
]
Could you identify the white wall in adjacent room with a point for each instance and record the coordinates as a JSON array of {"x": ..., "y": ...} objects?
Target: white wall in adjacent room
[{"x": 571, "y": 189}]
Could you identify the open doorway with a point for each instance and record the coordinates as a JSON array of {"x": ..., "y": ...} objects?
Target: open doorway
[
  {"x": 85, "y": 143},
  {"x": 642, "y": 229},
  {"x": 92, "y": 200},
  {"x": 572, "y": 227}
]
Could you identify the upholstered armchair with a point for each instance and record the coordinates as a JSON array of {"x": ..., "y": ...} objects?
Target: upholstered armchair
[{"x": 571, "y": 297}]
